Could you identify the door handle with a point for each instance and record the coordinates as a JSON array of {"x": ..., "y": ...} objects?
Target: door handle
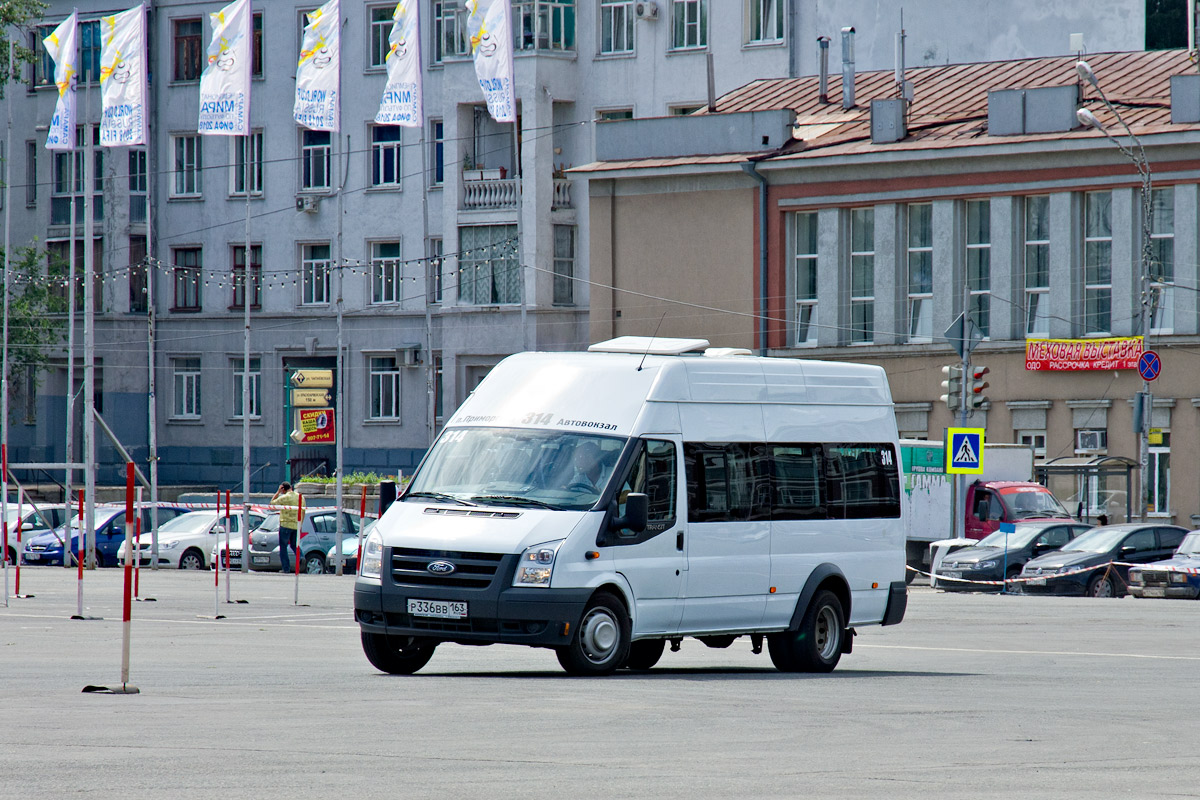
[{"x": 679, "y": 540}]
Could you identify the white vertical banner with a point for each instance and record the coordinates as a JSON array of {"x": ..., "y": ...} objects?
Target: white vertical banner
[
  {"x": 401, "y": 103},
  {"x": 317, "y": 75},
  {"x": 123, "y": 118},
  {"x": 225, "y": 82},
  {"x": 63, "y": 47},
  {"x": 489, "y": 26}
]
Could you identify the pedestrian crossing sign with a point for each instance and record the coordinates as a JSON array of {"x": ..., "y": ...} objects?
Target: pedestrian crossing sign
[{"x": 965, "y": 451}]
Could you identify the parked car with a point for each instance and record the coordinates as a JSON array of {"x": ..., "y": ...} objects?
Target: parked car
[
  {"x": 1088, "y": 560},
  {"x": 35, "y": 520},
  {"x": 317, "y": 534},
  {"x": 349, "y": 551},
  {"x": 187, "y": 541},
  {"x": 109, "y": 523},
  {"x": 1176, "y": 577},
  {"x": 1001, "y": 554}
]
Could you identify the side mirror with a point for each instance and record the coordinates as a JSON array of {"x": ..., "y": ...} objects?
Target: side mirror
[
  {"x": 219, "y": 529},
  {"x": 637, "y": 509},
  {"x": 1041, "y": 547},
  {"x": 1127, "y": 550}
]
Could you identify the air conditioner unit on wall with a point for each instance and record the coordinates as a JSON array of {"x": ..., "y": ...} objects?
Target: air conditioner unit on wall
[
  {"x": 1091, "y": 441},
  {"x": 647, "y": 10},
  {"x": 308, "y": 203}
]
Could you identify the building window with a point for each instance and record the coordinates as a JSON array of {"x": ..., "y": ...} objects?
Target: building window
[
  {"x": 448, "y": 30},
  {"x": 188, "y": 165},
  {"x": 58, "y": 267},
  {"x": 920, "y": 272},
  {"x": 187, "y": 388},
  {"x": 611, "y": 114},
  {"x": 862, "y": 275},
  {"x": 255, "y": 377},
  {"x": 237, "y": 175},
  {"x": 1037, "y": 266},
  {"x": 385, "y": 388},
  {"x": 188, "y": 47},
  {"x": 979, "y": 264},
  {"x": 1159, "y": 476},
  {"x": 437, "y": 388},
  {"x": 689, "y": 23},
  {"x": 616, "y": 26},
  {"x": 381, "y": 29},
  {"x": 1162, "y": 260},
  {"x": 385, "y": 272},
  {"x": 488, "y": 273},
  {"x": 543, "y": 24},
  {"x": 766, "y": 20},
  {"x": 138, "y": 297},
  {"x": 437, "y": 152},
  {"x": 138, "y": 185},
  {"x": 31, "y": 179},
  {"x": 1035, "y": 439},
  {"x": 66, "y": 185},
  {"x": 239, "y": 276},
  {"x": 43, "y": 65},
  {"x": 1097, "y": 262},
  {"x": 434, "y": 292},
  {"x": 256, "y": 51},
  {"x": 564, "y": 265},
  {"x": 89, "y": 51},
  {"x": 187, "y": 278},
  {"x": 804, "y": 277},
  {"x": 314, "y": 274},
  {"x": 316, "y": 156},
  {"x": 683, "y": 111},
  {"x": 385, "y": 156}
]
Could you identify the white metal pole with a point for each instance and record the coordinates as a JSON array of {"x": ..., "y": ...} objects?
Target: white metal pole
[
  {"x": 339, "y": 424},
  {"x": 520, "y": 209},
  {"x": 89, "y": 331},
  {"x": 248, "y": 289},
  {"x": 69, "y": 479},
  {"x": 430, "y": 293},
  {"x": 7, "y": 287}
]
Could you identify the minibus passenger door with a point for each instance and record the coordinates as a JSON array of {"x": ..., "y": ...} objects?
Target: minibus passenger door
[{"x": 654, "y": 560}]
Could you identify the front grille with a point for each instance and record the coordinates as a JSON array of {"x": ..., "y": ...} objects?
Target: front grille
[
  {"x": 469, "y": 625},
  {"x": 471, "y": 570},
  {"x": 1157, "y": 577}
]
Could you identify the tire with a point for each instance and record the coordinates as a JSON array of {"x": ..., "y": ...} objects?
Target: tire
[
  {"x": 644, "y": 654},
  {"x": 601, "y": 640},
  {"x": 99, "y": 559},
  {"x": 817, "y": 645},
  {"x": 12, "y": 555},
  {"x": 314, "y": 563},
  {"x": 191, "y": 559},
  {"x": 396, "y": 655},
  {"x": 1101, "y": 586},
  {"x": 1012, "y": 588}
]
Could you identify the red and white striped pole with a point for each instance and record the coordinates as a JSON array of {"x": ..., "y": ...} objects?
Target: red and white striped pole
[
  {"x": 127, "y": 605},
  {"x": 217, "y": 566},
  {"x": 137, "y": 539},
  {"x": 299, "y": 525},
  {"x": 362, "y": 523},
  {"x": 78, "y": 556}
]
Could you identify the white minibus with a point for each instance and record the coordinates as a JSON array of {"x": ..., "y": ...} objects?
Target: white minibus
[{"x": 608, "y": 503}]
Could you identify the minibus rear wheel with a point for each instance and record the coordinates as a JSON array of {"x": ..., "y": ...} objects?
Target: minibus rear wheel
[
  {"x": 816, "y": 646},
  {"x": 644, "y": 654},
  {"x": 396, "y": 655},
  {"x": 601, "y": 641}
]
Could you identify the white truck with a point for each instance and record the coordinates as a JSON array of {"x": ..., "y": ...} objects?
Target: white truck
[{"x": 991, "y": 498}]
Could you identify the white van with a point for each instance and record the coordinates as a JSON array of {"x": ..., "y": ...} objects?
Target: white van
[{"x": 606, "y": 503}]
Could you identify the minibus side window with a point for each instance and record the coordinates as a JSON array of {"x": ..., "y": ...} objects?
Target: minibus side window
[
  {"x": 862, "y": 481},
  {"x": 727, "y": 481},
  {"x": 652, "y": 471},
  {"x": 797, "y": 489}
]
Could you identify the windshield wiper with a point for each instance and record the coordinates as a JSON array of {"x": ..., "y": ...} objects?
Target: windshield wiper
[
  {"x": 515, "y": 501},
  {"x": 439, "y": 496}
]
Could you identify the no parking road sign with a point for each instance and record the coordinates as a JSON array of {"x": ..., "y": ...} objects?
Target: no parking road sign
[
  {"x": 964, "y": 453},
  {"x": 1149, "y": 365}
]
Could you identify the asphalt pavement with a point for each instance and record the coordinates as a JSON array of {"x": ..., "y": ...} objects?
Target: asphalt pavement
[{"x": 972, "y": 696}]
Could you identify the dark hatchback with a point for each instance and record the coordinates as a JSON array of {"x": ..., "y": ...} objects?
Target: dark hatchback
[
  {"x": 1175, "y": 577},
  {"x": 1083, "y": 566},
  {"x": 1001, "y": 554}
]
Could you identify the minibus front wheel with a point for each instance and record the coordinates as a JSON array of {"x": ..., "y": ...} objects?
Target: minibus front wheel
[
  {"x": 816, "y": 646},
  {"x": 396, "y": 655},
  {"x": 601, "y": 640}
]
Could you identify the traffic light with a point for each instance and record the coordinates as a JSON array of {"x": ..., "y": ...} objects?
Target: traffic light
[
  {"x": 952, "y": 386},
  {"x": 975, "y": 396}
]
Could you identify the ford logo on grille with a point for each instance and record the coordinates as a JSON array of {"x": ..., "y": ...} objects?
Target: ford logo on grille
[{"x": 440, "y": 567}]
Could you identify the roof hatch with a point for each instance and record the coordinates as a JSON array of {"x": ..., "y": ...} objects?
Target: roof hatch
[{"x": 649, "y": 345}]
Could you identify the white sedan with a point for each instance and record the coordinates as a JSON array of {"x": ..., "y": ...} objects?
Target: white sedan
[{"x": 187, "y": 541}]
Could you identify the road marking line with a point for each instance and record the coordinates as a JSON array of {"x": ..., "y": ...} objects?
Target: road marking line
[{"x": 1024, "y": 652}]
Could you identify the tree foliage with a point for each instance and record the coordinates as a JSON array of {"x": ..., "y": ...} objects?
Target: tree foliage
[
  {"x": 17, "y": 15},
  {"x": 35, "y": 316}
]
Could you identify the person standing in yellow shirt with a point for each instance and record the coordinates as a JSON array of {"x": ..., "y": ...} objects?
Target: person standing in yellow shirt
[{"x": 288, "y": 523}]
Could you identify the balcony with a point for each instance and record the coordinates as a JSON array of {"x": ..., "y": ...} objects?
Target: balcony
[{"x": 491, "y": 190}]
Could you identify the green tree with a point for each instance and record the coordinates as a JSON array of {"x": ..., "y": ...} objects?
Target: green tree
[
  {"x": 35, "y": 321},
  {"x": 17, "y": 16}
]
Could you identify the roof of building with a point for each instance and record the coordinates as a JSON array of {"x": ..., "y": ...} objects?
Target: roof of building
[{"x": 950, "y": 105}]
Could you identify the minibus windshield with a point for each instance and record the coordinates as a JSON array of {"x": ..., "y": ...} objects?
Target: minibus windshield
[{"x": 517, "y": 467}]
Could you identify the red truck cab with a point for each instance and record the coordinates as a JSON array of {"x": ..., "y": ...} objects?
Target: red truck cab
[{"x": 990, "y": 503}]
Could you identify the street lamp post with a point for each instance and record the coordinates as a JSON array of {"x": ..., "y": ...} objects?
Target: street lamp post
[{"x": 1143, "y": 403}]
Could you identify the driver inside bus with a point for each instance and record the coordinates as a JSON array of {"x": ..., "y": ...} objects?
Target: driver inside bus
[{"x": 586, "y": 462}]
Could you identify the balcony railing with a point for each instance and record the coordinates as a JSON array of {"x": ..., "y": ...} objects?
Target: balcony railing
[
  {"x": 562, "y": 194},
  {"x": 489, "y": 193}
]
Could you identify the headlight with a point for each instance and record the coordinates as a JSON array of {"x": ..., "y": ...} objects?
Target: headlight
[
  {"x": 537, "y": 565},
  {"x": 985, "y": 565},
  {"x": 170, "y": 544},
  {"x": 1178, "y": 577},
  {"x": 1135, "y": 576},
  {"x": 372, "y": 556}
]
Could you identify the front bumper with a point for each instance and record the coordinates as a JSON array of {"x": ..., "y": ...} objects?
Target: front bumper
[
  {"x": 52, "y": 558},
  {"x": 497, "y": 613},
  {"x": 1071, "y": 585},
  {"x": 947, "y": 585},
  {"x": 1178, "y": 591}
]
